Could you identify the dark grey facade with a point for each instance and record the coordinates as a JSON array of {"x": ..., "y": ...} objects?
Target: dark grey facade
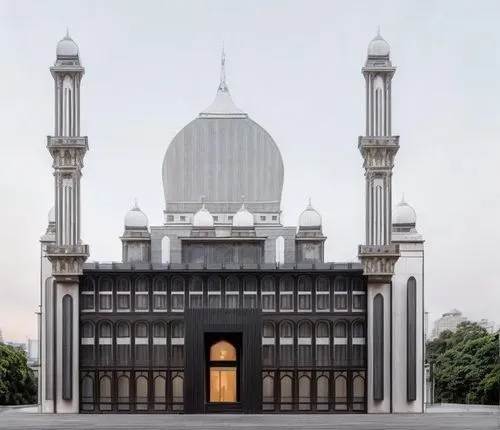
[{"x": 299, "y": 336}]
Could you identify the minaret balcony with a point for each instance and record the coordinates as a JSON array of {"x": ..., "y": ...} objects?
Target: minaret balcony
[
  {"x": 67, "y": 250},
  {"x": 67, "y": 142},
  {"x": 378, "y": 141}
]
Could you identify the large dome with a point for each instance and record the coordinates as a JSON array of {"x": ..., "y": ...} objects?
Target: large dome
[{"x": 222, "y": 155}]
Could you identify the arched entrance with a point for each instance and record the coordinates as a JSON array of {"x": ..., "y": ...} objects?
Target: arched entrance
[{"x": 223, "y": 373}]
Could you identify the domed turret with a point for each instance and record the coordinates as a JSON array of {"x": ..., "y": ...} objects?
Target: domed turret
[
  {"x": 378, "y": 47},
  {"x": 310, "y": 218},
  {"x": 404, "y": 215},
  {"x": 203, "y": 218},
  {"x": 243, "y": 218},
  {"x": 136, "y": 219},
  {"x": 67, "y": 47}
]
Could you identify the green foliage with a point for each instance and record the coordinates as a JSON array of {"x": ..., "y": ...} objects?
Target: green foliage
[
  {"x": 17, "y": 382},
  {"x": 466, "y": 365}
]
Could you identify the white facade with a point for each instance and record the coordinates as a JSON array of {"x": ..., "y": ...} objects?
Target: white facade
[{"x": 449, "y": 321}]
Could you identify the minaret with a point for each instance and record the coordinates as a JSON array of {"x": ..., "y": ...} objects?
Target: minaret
[
  {"x": 68, "y": 253},
  {"x": 378, "y": 255}
]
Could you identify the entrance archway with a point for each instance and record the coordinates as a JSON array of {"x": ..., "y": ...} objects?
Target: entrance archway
[{"x": 223, "y": 373}]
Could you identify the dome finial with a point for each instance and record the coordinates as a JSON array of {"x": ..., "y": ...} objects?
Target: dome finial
[
  {"x": 203, "y": 201},
  {"x": 223, "y": 84},
  {"x": 378, "y": 31},
  {"x": 67, "y": 32},
  {"x": 136, "y": 206},
  {"x": 403, "y": 198},
  {"x": 309, "y": 206},
  {"x": 243, "y": 201}
]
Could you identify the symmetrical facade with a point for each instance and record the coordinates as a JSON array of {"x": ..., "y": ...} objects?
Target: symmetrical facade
[{"x": 223, "y": 308}]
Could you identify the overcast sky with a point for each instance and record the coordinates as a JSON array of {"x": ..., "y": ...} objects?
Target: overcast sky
[{"x": 295, "y": 67}]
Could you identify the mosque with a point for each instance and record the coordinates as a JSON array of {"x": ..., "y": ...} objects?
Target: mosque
[{"x": 223, "y": 308}]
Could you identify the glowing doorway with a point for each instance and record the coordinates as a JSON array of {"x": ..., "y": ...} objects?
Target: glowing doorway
[{"x": 223, "y": 373}]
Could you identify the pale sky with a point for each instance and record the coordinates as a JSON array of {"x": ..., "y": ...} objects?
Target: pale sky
[{"x": 295, "y": 67}]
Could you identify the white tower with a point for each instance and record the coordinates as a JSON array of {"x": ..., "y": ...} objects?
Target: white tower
[
  {"x": 407, "y": 313},
  {"x": 136, "y": 239},
  {"x": 378, "y": 254},
  {"x": 67, "y": 254}
]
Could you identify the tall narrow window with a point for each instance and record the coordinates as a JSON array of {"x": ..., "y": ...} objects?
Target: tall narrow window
[
  {"x": 123, "y": 343},
  {"x": 141, "y": 344},
  {"x": 105, "y": 343},
  {"x": 280, "y": 250},
  {"x": 286, "y": 344},
  {"x": 358, "y": 295},
  {"x": 159, "y": 344},
  {"x": 286, "y": 398},
  {"x": 123, "y": 295},
  {"x": 358, "y": 391},
  {"x": 87, "y": 347},
  {"x": 87, "y": 396},
  {"x": 178, "y": 391},
  {"x": 322, "y": 391},
  {"x": 250, "y": 292},
  {"x": 105, "y": 391},
  {"x": 177, "y": 341},
  {"x": 340, "y": 343},
  {"x": 340, "y": 391},
  {"x": 268, "y": 292},
  {"x": 322, "y": 295},
  {"x": 160, "y": 390},
  {"x": 165, "y": 250},
  {"x": 105, "y": 295},
  {"x": 232, "y": 293},
  {"x": 214, "y": 293},
  {"x": 304, "y": 294},
  {"x": 124, "y": 391},
  {"x": 160, "y": 294},
  {"x": 177, "y": 294},
  {"x": 304, "y": 391},
  {"x": 340, "y": 294},
  {"x": 268, "y": 344},
  {"x": 87, "y": 296},
  {"x": 141, "y": 295},
  {"x": 358, "y": 343},
  {"x": 141, "y": 391},
  {"x": 286, "y": 294},
  {"x": 305, "y": 343},
  {"x": 322, "y": 344},
  {"x": 195, "y": 292},
  {"x": 268, "y": 391},
  {"x": 411, "y": 340}
]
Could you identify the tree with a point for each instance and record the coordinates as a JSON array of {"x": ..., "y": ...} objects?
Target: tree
[
  {"x": 17, "y": 382},
  {"x": 466, "y": 365}
]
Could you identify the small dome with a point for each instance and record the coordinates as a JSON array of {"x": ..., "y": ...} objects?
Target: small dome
[
  {"x": 378, "y": 47},
  {"x": 67, "y": 47},
  {"x": 404, "y": 214},
  {"x": 243, "y": 218},
  {"x": 203, "y": 218},
  {"x": 52, "y": 215},
  {"x": 310, "y": 218},
  {"x": 136, "y": 219}
]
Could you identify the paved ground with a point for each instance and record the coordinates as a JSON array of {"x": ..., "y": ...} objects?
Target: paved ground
[{"x": 461, "y": 421}]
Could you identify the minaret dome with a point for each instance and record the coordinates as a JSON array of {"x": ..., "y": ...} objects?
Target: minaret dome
[
  {"x": 67, "y": 47},
  {"x": 378, "y": 47},
  {"x": 310, "y": 218},
  {"x": 136, "y": 219},
  {"x": 404, "y": 214},
  {"x": 203, "y": 218},
  {"x": 243, "y": 218}
]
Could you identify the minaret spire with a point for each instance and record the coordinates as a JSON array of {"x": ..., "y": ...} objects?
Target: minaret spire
[{"x": 223, "y": 85}]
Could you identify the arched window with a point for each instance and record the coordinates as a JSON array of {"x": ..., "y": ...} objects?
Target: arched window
[
  {"x": 286, "y": 344},
  {"x": 87, "y": 296},
  {"x": 358, "y": 391},
  {"x": 160, "y": 294},
  {"x": 87, "y": 342},
  {"x": 304, "y": 293},
  {"x": 87, "y": 396},
  {"x": 340, "y": 391},
  {"x": 160, "y": 391},
  {"x": 177, "y": 342},
  {"x": 105, "y": 393},
  {"x": 286, "y": 398},
  {"x": 214, "y": 292},
  {"x": 177, "y": 391},
  {"x": 268, "y": 344},
  {"x": 105, "y": 295},
  {"x": 165, "y": 250},
  {"x": 322, "y": 391},
  {"x": 268, "y": 292},
  {"x": 358, "y": 295},
  {"x": 304, "y": 391},
  {"x": 305, "y": 343},
  {"x": 250, "y": 292},
  {"x": 232, "y": 293},
  {"x": 141, "y": 294},
  {"x": 358, "y": 343},
  {"x": 340, "y": 343},
  {"x": 123, "y": 295},
  {"x": 322, "y": 294},
  {"x": 124, "y": 392},
  {"x": 268, "y": 391},
  {"x": 195, "y": 292},
  {"x": 123, "y": 343},
  {"x": 223, "y": 372},
  {"x": 280, "y": 250},
  {"x": 286, "y": 294},
  {"x": 340, "y": 294},
  {"x": 177, "y": 294},
  {"x": 159, "y": 344},
  {"x": 141, "y": 342},
  {"x": 141, "y": 391},
  {"x": 222, "y": 351},
  {"x": 322, "y": 344},
  {"x": 105, "y": 343}
]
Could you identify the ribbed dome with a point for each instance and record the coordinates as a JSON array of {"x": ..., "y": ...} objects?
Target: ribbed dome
[
  {"x": 67, "y": 47},
  {"x": 310, "y": 218},
  {"x": 52, "y": 215},
  {"x": 378, "y": 47},
  {"x": 203, "y": 218},
  {"x": 223, "y": 154},
  {"x": 243, "y": 218},
  {"x": 136, "y": 219},
  {"x": 404, "y": 214}
]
